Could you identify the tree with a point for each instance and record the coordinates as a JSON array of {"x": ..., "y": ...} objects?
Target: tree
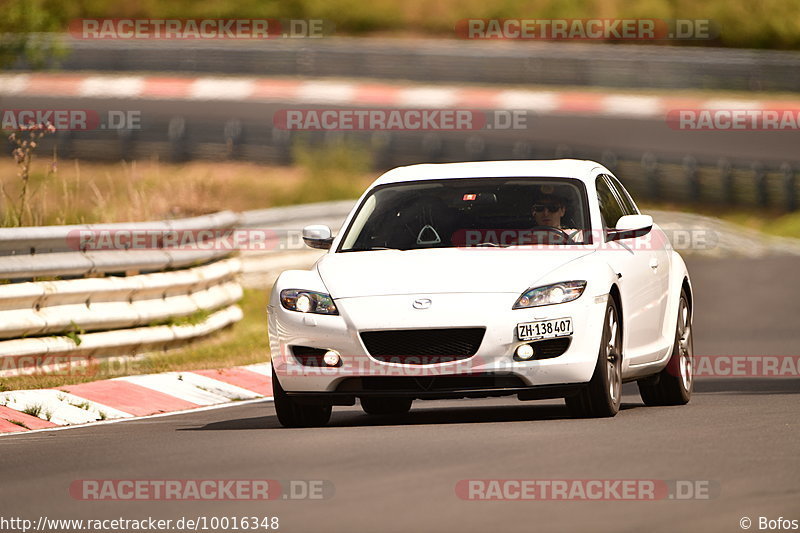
[{"x": 27, "y": 31}]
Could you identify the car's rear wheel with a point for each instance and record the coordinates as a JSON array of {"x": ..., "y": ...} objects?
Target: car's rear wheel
[
  {"x": 674, "y": 384},
  {"x": 603, "y": 395},
  {"x": 386, "y": 406},
  {"x": 292, "y": 414}
]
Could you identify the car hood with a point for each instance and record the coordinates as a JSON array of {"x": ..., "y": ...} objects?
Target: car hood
[{"x": 444, "y": 270}]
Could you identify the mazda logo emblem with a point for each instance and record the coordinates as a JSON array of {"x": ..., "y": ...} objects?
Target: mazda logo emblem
[{"x": 422, "y": 303}]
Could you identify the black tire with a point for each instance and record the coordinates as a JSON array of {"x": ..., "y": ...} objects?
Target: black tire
[
  {"x": 386, "y": 406},
  {"x": 603, "y": 394},
  {"x": 674, "y": 384},
  {"x": 292, "y": 414}
]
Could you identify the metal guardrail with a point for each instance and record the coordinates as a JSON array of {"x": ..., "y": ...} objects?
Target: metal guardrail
[
  {"x": 31, "y": 252},
  {"x": 540, "y": 63},
  {"x": 109, "y": 302},
  {"x": 93, "y": 304},
  {"x": 20, "y": 356}
]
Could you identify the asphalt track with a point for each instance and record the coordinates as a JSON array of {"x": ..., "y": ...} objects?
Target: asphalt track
[
  {"x": 399, "y": 474},
  {"x": 582, "y": 134}
]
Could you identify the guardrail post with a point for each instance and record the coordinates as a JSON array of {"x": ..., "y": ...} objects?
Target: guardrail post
[
  {"x": 380, "y": 143},
  {"x": 563, "y": 151},
  {"x": 282, "y": 141},
  {"x": 233, "y": 132},
  {"x": 125, "y": 137},
  {"x": 522, "y": 150},
  {"x": 650, "y": 167},
  {"x": 474, "y": 146},
  {"x": 789, "y": 188},
  {"x": 726, "y": 176},
  {"x": 432, "y": 146},
  {"x": 760, "y": 177},
  {"x": 64, "y": 143},
  {"x": 692, "y": 178},
  {"x": 176, "y": 132}
]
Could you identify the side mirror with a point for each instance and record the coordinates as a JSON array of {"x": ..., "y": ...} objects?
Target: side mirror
[
  {"x": 318, "y": 236},
  {"x": 631, "y": 226}
]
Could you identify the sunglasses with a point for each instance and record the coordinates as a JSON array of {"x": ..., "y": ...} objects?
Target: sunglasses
[{"x": 551, "y": 208}]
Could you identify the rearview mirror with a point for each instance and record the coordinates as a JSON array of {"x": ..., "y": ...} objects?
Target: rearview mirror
[
  {"x": 631, "y": 226},
  {"x": 318, "y": 236}
]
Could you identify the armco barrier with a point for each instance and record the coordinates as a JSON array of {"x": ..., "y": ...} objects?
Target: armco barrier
[
  {"x": 31, "y": 252},
  {"x": 92, "y": 304},
  {"x": 106, "y": 303},
  {"x": 443, "y": 60}
]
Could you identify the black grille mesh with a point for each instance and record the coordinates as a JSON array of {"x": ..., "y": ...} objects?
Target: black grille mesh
[
  {"x": 423, "y": 346},
  {"x": 551, "y": 347},
  {"x": 308, "y": 356}
]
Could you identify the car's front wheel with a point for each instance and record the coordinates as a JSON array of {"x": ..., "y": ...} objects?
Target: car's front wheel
[
  {"x": 603, "y": 394},
  {"x": 292, "y": 414},
  {"x": 674, "y": 384},
  {"x": 386, "y": 406}
]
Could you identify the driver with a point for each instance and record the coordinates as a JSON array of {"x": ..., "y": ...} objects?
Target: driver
[{"x": 548, "y": 210}]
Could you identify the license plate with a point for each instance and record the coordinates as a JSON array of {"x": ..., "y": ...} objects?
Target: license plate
[{"x": 544, "y": 329}]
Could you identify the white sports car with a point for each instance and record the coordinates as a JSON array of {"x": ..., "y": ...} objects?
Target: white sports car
[{"x": 539, "y": 279}]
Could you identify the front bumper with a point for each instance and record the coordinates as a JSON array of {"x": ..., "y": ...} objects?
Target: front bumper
[{"x": 493, "y": 359}]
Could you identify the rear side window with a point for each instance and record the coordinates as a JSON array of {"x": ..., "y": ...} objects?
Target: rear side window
[
  {"x": 610, "y": 208},
  {"x": 628, "y": 207}
]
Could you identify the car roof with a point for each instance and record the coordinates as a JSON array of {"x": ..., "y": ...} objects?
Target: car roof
[{"x": 546, "y": 168}]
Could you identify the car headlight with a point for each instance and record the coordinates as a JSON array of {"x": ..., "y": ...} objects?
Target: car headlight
[
  {"x": 308, "y": 302},
  {"x": 557, "y": 293}
]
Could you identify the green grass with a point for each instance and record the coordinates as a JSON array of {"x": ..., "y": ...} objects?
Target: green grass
[{"x": 33, "y": 410}]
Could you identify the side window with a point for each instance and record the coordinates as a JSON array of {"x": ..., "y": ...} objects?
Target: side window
[
  {"x": 628, "y": 207},
  {"x": 610, "y": 209}
]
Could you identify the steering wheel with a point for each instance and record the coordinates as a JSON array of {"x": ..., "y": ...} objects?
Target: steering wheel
[{"x": 557, "y": 231}]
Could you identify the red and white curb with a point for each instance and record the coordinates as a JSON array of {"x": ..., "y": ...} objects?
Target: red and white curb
[
  {"x": 364, "y": 94},
  {"x": 131, "y": 397}
]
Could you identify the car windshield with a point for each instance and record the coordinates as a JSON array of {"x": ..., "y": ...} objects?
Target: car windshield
[{"x": 487, "y": 212}]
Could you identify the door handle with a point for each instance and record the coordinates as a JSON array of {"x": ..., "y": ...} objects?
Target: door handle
[{"x": 654, "y": 264}]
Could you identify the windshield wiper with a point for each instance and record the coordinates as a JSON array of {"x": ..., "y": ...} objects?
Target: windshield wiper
[
  {"x": 370, "y": 249},
  {"x": 490, "y": 245}
]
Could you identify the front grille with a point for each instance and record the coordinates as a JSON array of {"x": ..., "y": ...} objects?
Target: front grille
[{"x": 423, "y": 346}]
